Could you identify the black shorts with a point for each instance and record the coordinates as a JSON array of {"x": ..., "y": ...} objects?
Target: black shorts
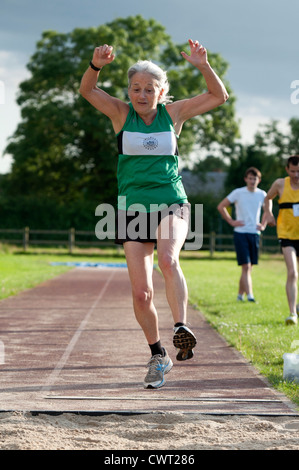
[
  {"x": 142, "y": 226},
  {"x": 247, "y": 247},
  {"x": 286, "y": 242}
]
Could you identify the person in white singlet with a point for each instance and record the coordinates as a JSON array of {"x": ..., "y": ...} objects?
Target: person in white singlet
[{"x": 248, "y": 201}]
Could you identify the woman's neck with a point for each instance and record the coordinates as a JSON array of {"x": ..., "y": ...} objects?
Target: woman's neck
[{"x": 148, "y": 118}]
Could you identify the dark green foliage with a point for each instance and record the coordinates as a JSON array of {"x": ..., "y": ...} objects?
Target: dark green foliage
[{"x": 64, "y": 151}]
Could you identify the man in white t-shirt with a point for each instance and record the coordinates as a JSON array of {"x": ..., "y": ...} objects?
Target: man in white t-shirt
[{"x": 248, "y": 202}]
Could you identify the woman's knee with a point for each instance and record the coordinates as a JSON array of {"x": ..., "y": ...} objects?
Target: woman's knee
[
  {"x": 142, "y": 295},
  {"x": 168, "y": 263}
]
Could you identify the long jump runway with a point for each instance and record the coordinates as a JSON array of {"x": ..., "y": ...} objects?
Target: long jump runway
[{"x": 72, "y": 344}]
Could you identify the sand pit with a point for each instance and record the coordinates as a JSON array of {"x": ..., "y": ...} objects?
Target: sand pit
[{"x": 155, "y": 431}]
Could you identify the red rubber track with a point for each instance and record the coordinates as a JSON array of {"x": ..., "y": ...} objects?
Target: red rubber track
[{"x": 72, "y": 344}]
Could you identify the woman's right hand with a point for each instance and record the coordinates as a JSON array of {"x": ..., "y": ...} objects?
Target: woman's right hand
[{"x": 102, "y": 55}]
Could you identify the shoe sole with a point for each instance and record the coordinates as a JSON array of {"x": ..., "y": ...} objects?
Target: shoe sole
[
  {"x": 290, "y": 322},
  {"x": 185, "y": 341},
  {"x": 166, "y": 370}
]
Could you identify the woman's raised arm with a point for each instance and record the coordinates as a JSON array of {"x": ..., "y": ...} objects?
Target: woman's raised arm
[
  {"x": 112, "y": 107},
  {"x": 216, "y": 95}
]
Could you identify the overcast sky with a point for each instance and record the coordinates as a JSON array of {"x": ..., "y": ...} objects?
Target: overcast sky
[{"x": 259, "y": 39}]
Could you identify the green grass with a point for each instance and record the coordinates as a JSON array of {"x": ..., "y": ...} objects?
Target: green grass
[
  {"x": 257, "y": 330},
  {"x": 20, "y": 271}
]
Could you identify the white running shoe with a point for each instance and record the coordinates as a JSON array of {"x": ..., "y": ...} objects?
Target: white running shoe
[
  {"x": 292, "y": 319},
  {"x": 158, "y": 366},
  {"x": 185, "y": 341}
]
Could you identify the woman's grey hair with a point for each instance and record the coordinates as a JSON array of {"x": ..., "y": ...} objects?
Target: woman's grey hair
[{"x": 146, "y": 66}]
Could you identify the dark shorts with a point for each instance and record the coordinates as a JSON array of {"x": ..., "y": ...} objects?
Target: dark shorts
[
  {"x": 142, "y": 226},
  {"x": 286, "y": 242},
  {"x": 247, "y": 247}
]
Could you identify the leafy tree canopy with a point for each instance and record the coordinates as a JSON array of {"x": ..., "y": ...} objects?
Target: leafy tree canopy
[{"x": 66, "y": 150}]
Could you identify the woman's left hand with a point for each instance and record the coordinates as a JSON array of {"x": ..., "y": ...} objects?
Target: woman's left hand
[{"x": 198, "y": 54}]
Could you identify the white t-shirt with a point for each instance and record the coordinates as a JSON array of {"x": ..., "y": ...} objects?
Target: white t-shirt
[{"x": 248, "y": 206}]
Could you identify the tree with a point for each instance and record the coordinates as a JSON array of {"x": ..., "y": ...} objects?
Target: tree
[{"x": 64, "y": 149}]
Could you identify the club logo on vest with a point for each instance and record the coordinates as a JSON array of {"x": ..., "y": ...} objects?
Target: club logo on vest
[{"x": 150, "y": 143}]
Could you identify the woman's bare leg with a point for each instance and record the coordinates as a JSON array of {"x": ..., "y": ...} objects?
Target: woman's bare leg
[{"x": 140, "y": 261}]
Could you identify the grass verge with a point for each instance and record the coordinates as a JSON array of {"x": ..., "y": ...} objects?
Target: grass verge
[
  {"x": 257, "y": 330},
  {"x": 20, "y": 271}
]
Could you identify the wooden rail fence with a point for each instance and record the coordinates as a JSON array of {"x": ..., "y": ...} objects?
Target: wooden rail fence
[{"x": 72, "y": 238}]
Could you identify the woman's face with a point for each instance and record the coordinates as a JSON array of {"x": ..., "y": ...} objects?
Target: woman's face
[{"x": 144, "y": 93}]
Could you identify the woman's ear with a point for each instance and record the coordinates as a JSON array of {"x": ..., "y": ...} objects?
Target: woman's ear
[{"x": 162, "y": 91}]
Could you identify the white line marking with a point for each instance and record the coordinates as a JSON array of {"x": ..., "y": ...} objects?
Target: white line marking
[
  {"x": 60, "y": 365},
  {"x": 237, "y": 400}
]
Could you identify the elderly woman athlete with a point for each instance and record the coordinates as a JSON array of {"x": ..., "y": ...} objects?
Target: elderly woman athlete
[{"x": 147, "y": 129}]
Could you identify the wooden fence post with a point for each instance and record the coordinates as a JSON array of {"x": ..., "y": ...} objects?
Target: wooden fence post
[
  {"x": 212, "y": 242},
  {"x": 71, "y": 239},
  {"x": 26, "y": 238},
  {"x": 261, "y": 244}
]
